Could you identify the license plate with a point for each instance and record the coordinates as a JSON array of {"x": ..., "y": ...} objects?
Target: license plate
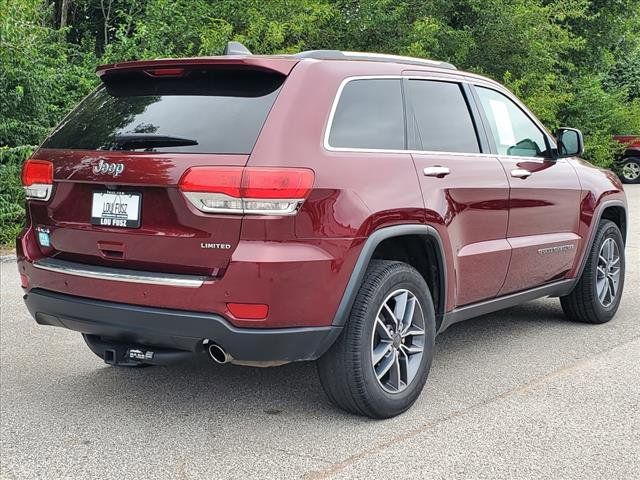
[{"x": 116, "y": 209}]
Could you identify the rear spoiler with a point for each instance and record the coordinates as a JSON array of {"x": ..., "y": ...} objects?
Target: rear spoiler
[{"x": 279, "y": 64}]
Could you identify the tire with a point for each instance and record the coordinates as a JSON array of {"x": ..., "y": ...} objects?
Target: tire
[
  {"x": 584, "y": 304},
  {"x": 630, "y": 170},
  {"x": 347, "y": 371}
]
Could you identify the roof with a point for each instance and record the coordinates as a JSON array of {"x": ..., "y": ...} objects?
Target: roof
[{"x": 237, "y": 54}]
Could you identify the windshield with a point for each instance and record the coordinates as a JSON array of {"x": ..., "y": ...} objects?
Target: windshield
[{"x": 205, "y": 111}]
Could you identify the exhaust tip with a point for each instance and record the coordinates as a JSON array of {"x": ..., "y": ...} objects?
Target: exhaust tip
[{"x": 218, "y": 354}]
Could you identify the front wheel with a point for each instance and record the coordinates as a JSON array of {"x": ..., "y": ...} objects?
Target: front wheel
[
  {"x": 596, "y": 296},
  {"x": 380, "y": 363}
]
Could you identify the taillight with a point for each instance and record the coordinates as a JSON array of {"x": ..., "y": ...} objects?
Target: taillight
[
  {"x": 249, "y": 190},
  {"x": 37, "y": 179}
]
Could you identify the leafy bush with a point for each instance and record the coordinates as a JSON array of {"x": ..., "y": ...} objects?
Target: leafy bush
[
  {"x": 575, "y": 63},
  {"x": 11, "y": 192}
]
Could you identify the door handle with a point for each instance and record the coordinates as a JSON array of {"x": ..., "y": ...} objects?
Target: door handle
[
  {"x": 520, "y": 173},
  {"x": 436, "y": 171}
]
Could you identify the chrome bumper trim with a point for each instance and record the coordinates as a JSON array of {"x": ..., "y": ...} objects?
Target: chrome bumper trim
[{"x": 118, "y": 274}]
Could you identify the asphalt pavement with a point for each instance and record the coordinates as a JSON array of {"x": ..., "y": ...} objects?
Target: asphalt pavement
[{"x": 522, "y": 393}]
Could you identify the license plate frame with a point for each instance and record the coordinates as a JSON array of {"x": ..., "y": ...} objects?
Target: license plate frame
[{"x": 116, "y": 209}]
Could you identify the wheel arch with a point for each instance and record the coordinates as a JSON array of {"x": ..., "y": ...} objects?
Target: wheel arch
[
  {"x": 417, "y": 245},
  {"x": 614, "y": 210}
]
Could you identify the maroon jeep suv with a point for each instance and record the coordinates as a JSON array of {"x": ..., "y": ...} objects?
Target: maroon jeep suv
[{"x": 333, "y": 206}]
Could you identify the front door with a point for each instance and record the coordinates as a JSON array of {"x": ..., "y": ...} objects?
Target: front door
[{"x": 544, "y": 200}]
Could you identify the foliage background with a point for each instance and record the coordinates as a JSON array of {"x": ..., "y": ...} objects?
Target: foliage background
[{"x": 574, "y": 62}]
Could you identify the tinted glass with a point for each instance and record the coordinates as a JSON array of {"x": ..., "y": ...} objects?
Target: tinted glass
[
  {"x": 202, "y": 112},
  {"x": 513, "y": 131},
  {"x": 442, "y": 117},
  {"x": 369, "y": 114}
]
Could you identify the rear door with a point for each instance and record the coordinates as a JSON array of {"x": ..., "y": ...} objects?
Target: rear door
[
  {"x": 119, "y": 157},
  {"x": 467, "y": 187},
  {"x": 544, "y": 198}
]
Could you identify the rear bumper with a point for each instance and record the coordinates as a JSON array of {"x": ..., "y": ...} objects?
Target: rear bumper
[{"x": 177, "y": 329}]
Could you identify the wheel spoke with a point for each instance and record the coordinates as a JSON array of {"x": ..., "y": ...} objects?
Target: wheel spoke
[
  {"x": 407, "y": 319},
  {"x": 601, "y": 272},
  {"x": 412, "y": 331},
  {"x": 392, "y": 315},
  {"x": 610, "y": 246},
  {"x": 395, "y": 375},
  {"x": 404, "y": 358},
  {"x": 380, "y": 351},
  {"x": 608, "y": 294},
  {"x": 384, "y": 366},
  {"x": 612, "y": 289},
  {"x": 382, "y": 330},
  {"x": 410, "y": 350},
  {"x": 400, "y": 307},
  {"x": 602, "y": 290}
]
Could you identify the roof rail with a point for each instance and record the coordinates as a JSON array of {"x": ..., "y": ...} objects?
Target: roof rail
[{"x": 372, "y": 57}]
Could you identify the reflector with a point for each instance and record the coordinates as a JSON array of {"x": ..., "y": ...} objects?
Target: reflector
[{"x": 249, "y": 311}]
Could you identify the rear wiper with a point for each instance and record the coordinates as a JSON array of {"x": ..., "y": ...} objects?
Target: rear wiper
[{"x": 147, "y": 140}]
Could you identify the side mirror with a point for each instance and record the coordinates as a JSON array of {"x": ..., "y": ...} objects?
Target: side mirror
[{"x": 570, "y": 142}]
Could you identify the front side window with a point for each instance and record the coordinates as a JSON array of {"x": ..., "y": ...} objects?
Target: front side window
[
  {"x": 442, "y": 117},
  {"x": 370, "y": 115},
  {"x": 514, "y": 132}
]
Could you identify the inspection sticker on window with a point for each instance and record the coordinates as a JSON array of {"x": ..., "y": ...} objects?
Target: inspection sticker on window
[{"x": 503, "y": 122}]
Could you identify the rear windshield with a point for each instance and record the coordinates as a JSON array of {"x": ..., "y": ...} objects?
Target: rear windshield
[{"x": 204, "y": 111}]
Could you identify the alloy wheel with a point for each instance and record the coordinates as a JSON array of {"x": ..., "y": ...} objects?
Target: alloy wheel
[
  {"x": 608, "y": 272},
  {"x": 397, "y": 341}
]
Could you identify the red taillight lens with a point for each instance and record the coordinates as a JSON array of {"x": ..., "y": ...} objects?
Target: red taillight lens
[
  {"x": 276, "y": 183},
  {"x": 249, "y": 311},
  {"x": 225, "y": 180},
  {"x": 251, "y": 190},
  {"x": 37, "y": 172}
]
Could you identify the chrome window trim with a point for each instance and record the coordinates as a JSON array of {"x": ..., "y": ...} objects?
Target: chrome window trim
[
  {"x": 334, "y": 106},
  {"x": 453, "y": 78},
  {"x": 118, "y": 274}
]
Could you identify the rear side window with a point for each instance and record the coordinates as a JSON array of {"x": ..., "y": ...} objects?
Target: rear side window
[
  {"x": 442, "y": 118},
  {"x": 204, "y": 111},
  {"x": 369, "y": 114}
]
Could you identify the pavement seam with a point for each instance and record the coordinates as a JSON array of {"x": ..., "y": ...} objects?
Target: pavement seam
[{"x": 379, "y": 447}]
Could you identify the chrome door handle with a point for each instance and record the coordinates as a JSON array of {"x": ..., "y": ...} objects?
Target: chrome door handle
[
  {"x": 520, "y": 173},
  {"x": 436, "y": 171}
]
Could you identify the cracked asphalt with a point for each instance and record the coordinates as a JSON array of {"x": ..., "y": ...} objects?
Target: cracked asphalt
[{"x": 522, "y": 393}]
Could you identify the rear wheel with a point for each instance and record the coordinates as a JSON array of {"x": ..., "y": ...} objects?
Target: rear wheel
[
  {"x": 596, "y": 297},
  {"x": 380, "y": 363},
  {"x": 630, "y": 171}
]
